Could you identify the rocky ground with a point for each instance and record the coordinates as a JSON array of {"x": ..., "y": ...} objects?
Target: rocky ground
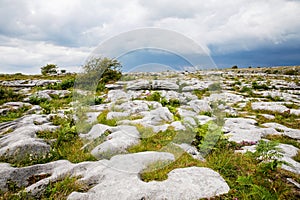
[{"x": 198, "y": 128}]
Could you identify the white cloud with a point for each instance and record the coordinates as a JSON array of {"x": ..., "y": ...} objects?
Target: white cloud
[
  {"x": 27, "y": 57},
  {"x": 42, "y": 31}
]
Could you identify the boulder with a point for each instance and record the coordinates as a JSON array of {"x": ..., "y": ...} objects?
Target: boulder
[
  {"x": 290, "y": 132},
  {"x": 121, "y": 138},
  {"x": 225, "y": 97},
  {"x": 96, "y": 131},
  {"x": 164, "y": 85},
  {"x": 244, "y": 129},
  {"x": 114, "y": 95},
  {"x": 158, "y": 116},
  {"x": 139, "y": 85},
  {"x": 22, "y": 142},
  {"x": 200, "y": 106},
  {"x": 154, "y": 85},
  {"x": 178, "y": 126},
  {"x": 270, "y": 106}
]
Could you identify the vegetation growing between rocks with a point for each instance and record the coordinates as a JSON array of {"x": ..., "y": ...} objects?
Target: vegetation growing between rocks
[
  {"x": 60, "y": 189},
  {"x": 247, "y": 176},
  {"x": 102, "y": 119},
  {"x": 65, "y": 144},
  {"x": 13, "y": 114},
  {"x": 63, "y": 188},
  {"x": 8, "y": 95}
]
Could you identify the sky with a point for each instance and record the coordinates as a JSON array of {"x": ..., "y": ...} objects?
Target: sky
[{"x": 245, "y": 33}]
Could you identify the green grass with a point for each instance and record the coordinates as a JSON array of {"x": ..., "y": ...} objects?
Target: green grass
[
  {"x": 201, "y": 93},
  {"x": 158, "y": 171},
  {"x": 286, "y": 119},
  {"x": 60, "y": 189},
  {"x": 8, "y": 95},
  {"x": 19, "y": 76},
  {"x": 13, "y": 114},
  {"x": 102, "y": 119},
  {"x": 247, "y": 176},
  {"x": 284, "y": 139},
  {"x": 65, "y": 144},
  {"x": 68, "y": 145},
  {"x": 63, "y": 188},
  {"x": 153, "y": 141},
  {"x": 53, "y": 105}
]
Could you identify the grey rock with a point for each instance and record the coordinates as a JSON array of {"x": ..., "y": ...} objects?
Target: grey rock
[
  {"x": 35, "y": 109},
  {"x": 267, "y": 116},
  {"x": 154, "y": 85},
  {"x": 200, "y": 106},
  {"x": 186, "y": 113},
  {"x": 159, "y": 128},
  {"x": 155, "y": 117},
  {"x": 113, "y": 86},
  {"x": 243, "y": 129},
  {"x": 11, "y": 106},
  {"x": 92, "y": 116},
  {"x": 96, "y": 131},
  {"x": 112, "y": 115},
  {"x": 192, "y": 151},
  {"x": 195, "y": 84},
  {"x": 140, "y": 85},
  {"x": 225, "y": 97},
  {"x": 29, "y": 83},
  {"x": 22, "y": 142},
  {"x": 271, "y": 106},
  {"x": 158, "y": 116},
  {"x": 295, "y": 111},
  {"x": 115, "y": 95},
  {"x": 46, "y": 94},
  {"x": 164, "y": 85},
  {"x": 178, "y": 126},
  {"x": 198, "y": 182},
  {"x": 294, "y": 182},
  {"x": 189, "y": 121},
  {"x": 170, "y": 94},
  {"x": 16, "y": 105},
  {"x": 136, "y": 106},
  {"x": 203, "y": 119},
  {"x": 293, "y": 133},
  {"x": 118, "y": 141}
]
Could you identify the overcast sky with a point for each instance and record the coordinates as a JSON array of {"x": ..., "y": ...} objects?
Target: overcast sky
[{"x": 64, "y": 32}]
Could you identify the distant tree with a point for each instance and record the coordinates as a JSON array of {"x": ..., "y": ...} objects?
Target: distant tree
[
  {"x": 100, "y": 71},
  {"x": 63, "y": 71},
  {"x": 250, "y": 67},
  {"x": 49, "y": 69},
  {"x": 234, "y": 67}
]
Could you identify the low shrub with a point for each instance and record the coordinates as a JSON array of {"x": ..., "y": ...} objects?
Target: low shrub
[{"x": 8, "y": 95}]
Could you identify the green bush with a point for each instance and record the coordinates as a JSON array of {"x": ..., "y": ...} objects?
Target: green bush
[
  {"x": 61, "y": 189},
  {"x": 214, "y": 87},
  {"x": 7, "y": 95},
  {"x": 154, "y": 96},
  {"x": 13, "y": 114},
  {"x": 257, "y": 86},
  {"x": 206, "y": 137},
  {"x": 49, "y": 69},
  {"x": 291, "y": 72},
  {"x": 99, "y": 71},
  {"x": 102, "y": 119},
  {"x": 64, "y": 85},
  {"x": 201, "y": 93}
]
